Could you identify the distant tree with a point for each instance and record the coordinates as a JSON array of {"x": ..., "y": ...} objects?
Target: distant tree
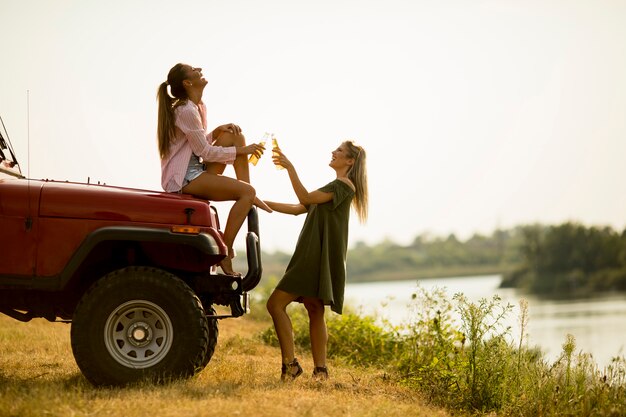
[{"x": 570, "y": 259}]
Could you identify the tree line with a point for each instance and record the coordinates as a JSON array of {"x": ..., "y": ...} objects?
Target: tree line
[
  {"x": 426, "y": 257},
  {"x": 435, "y": 256},
  {"x": 566, "y": 259},
  {"x": 570, "y": 259}
]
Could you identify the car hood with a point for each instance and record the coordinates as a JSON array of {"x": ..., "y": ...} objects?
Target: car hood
[{"x": 103, "y": 202}]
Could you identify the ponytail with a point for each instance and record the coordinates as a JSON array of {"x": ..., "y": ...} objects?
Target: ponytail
[
  {"x": 358, "y": 176},
  {"x": 166, "y": 127}
]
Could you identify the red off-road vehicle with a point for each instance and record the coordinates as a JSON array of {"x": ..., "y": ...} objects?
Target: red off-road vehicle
[{"x": 132, "y": 270}]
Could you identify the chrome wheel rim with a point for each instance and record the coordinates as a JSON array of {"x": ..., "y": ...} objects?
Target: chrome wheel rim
[{"x": 138, "y": 334}]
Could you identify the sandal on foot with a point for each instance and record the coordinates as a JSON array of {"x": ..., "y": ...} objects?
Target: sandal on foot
[
  {"x": 290, "y": 371},
  {"x": 227, "y": 267},
  {"x": 320, "y": 372}
]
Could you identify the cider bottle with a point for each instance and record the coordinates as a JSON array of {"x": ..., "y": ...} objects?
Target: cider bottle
[
  {"x": 274, "y": 147},
  {"x": 253, "y": 158}
]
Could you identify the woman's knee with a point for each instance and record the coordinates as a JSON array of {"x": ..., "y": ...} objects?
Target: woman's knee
[
  {"x": 248, "y": 192},
  {"x": 239, "y": 140},
  {"x": 314, "y": 307},
  {"x": 231, "y": 139},
  {"x": 273, "y": 306}
]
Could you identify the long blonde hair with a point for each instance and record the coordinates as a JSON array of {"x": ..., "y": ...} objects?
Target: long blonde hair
[
  {"x": 166, "y": 128},
  {"x": 358, "y": 175}
]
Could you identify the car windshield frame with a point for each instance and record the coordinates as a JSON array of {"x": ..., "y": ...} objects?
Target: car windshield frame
[{"x": 8, "y": 161}]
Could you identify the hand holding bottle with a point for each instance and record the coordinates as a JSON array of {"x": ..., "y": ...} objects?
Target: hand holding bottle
[
  {"x": 276, "y": 155},
  {"x": 280, "y": 160},
  {"x": 254, "y": 158}
]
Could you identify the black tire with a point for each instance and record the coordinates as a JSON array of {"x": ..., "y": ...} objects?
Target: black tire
[
  {"x": 213, "y": 333},
  {"x": 139, "y": 323}
]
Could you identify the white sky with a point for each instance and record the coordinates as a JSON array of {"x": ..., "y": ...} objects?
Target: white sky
[{"x": 475, "y": 114}]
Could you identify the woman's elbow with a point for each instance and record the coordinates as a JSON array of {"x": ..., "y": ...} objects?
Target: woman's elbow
[
  {"x": 305, "y": 200},
  {"x": 301, "y": 209}
]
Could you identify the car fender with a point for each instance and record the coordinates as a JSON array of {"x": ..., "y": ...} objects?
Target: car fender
[{"x": 204, "y": 242}]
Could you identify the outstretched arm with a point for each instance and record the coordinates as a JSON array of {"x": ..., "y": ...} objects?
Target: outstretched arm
[
  {"x": 305, "y": 197},
  {"x": 285, "y": 208}
]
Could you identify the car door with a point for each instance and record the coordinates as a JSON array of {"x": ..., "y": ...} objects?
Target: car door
[{"x": 18, "y": 226}]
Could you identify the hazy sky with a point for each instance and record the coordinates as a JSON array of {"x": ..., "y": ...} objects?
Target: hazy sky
[{"x": 474, "y": 114}]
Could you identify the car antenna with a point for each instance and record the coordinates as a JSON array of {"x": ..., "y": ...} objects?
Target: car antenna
[{"x": 28, "y": 136}]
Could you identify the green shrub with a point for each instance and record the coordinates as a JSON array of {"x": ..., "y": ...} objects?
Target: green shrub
[
  {"x": 432, "y": 347},
  {"x": 470, "y": 365},
  {"x": 355, "y": 339}
]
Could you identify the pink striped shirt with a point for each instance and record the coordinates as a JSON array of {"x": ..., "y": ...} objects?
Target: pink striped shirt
[{"x": 191, "y": 137}]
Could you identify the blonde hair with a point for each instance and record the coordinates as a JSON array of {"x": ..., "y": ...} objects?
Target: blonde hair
[{"x": 358, "y": 175}]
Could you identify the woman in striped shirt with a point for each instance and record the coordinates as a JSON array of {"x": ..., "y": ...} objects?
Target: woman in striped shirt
[{"x": 184, "y": 140}]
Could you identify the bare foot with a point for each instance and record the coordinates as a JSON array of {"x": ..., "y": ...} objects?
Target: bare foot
[
  {"x": 261, "y": 204},
  {"x": 227, "y": 267}
]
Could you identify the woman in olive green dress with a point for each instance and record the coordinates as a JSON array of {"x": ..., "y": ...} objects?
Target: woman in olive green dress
[{"x": 316, "y": 274}]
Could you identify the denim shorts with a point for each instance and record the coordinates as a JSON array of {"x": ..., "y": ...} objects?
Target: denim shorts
[{"x": 194, "y": 169}]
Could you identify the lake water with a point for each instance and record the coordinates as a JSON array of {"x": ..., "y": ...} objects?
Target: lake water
[{"x": 598, "y": 324}]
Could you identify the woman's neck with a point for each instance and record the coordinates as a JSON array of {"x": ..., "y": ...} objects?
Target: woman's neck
[
  {"x": 195, "y": 96},
  {"x": 342, "y": 172}
]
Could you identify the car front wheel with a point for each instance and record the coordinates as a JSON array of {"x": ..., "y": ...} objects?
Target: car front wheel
[{"x": 139, "y": 323}]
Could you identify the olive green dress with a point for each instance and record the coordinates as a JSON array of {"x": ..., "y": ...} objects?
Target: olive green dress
[{"x": 318, "y": 265}]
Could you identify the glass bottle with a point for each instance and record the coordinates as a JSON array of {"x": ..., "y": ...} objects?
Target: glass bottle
[
  {"x": 253, "y": 158},
  {"x": 274, "y": 147}
]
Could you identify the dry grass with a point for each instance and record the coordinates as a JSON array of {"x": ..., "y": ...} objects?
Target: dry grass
[{"x": 38, "y": 377}]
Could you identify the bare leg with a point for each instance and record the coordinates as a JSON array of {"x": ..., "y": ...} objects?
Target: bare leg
[
  {"x": 277, "y": 307},
  {"x": 221, "y": 188},
  {"x": 317, "y": 330},
  {"x": 242, "y": 170}
]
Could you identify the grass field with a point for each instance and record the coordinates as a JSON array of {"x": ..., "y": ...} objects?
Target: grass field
[
  {"x": 470, "y": 368},
  {"x": 38, "y": 377}
]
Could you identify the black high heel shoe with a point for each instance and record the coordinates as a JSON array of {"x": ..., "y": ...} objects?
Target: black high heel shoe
[
  {"x": 290, "y": 371},
  {"x": 320, "y": 372}
]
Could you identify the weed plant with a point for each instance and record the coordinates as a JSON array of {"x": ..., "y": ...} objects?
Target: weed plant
[{"x": 470, "y": 364}]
